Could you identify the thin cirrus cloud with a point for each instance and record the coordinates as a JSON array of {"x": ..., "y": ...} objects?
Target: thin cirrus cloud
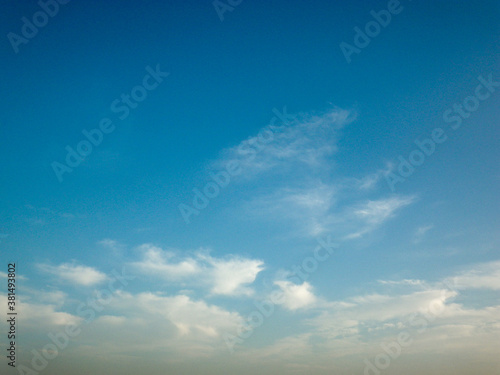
[
  {"x": 315, "y": 211},
  {"x": 75, "y": 274},
  {"x": 306, "y": 141},
  {"x": 420, "y": 233},
  {"x": 308, "y": 194},
  {"x": 371, "y": 214},
  {"x": 309, "y": 207},
  {"x": 229, "y": 276},
  {"x": 377, "y": 211}
]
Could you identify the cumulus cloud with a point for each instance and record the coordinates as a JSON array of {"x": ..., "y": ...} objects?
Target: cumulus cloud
[
  {"x": 230, "y": 276},
  {"x": 297, "y": 296},
  {"x": 43, "y": 314},
  {"x": 159, "y": 262},
  {"x": 176, "y": 325},
  {"x": 222, "y": 276}
]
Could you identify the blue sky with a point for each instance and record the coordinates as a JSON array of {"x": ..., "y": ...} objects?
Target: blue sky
[{"x": 307, "y": 145}]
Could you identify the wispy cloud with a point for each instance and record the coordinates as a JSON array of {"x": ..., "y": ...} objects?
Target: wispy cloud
[
  {"x": 373, "y": 213},
  {"x": 310, "y": 207},
  {"x": 402, "y": 282},
  {"x": 305, "y": 142},
  {"x": 75, "y": 274},
  {"x": 19, "y": 277},
  {"x": 481, "y": 276},
  {"x": 421, "y": 232},
  {"x": 302, "y": 185}
]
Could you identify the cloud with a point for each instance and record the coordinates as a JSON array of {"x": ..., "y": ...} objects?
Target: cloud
[
  {"x": 305, "y": 142},
  {"x": 302, "y": 188},
  {"x": 402, "y": 282},
  {"x": 175, "y": 325},
  {"x": 159, "y": 262},
  {"x": 111, "y": 320},
  {"x": 481, "y": 276},
  {"x": 432, "y": 313},
  {"x": 420, "y": 233},
  {"x": 79, "y": 275},
  {"x": 112, "y": 244},
  {"x": 309, "y": 207},
  {"x": 368, "y": 182},
  {"x": 297, "y": 296},
  {"x": 373, "y": 213},
  {"x": 43, "y": 314},
  {"x": 229, "y": 276},
  {"x": 376, "y": 212},
  {"x": 19, "y": 277},
  {"x": 319, "y": 209},
  {"x": 183, "y": 326}
]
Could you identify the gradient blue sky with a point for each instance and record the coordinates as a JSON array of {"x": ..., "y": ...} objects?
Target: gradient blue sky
[{"x": 322, "y": 175}]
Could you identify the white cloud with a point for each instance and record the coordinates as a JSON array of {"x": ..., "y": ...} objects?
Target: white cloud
[
  {"x": 309, "y": 207},
  {"x": 302, "y": 187},
  {"x": 297, "y": 296},
  {"x": 373, "y": 213},
  {"x": 36, "y": 315},
  {"x": 5, "y": 275},
  {"x": 481, "y": 276},
  {"x": 159, "y": 262},
  {"x": 80, "y": 275},
  {"x": 306, "y": 141},
  {"x": 229, "y": 276},
  {"x": 377, "y": 211},
  {"x": 368, "y": 182},
  {"x": 176, "y": 325}
]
